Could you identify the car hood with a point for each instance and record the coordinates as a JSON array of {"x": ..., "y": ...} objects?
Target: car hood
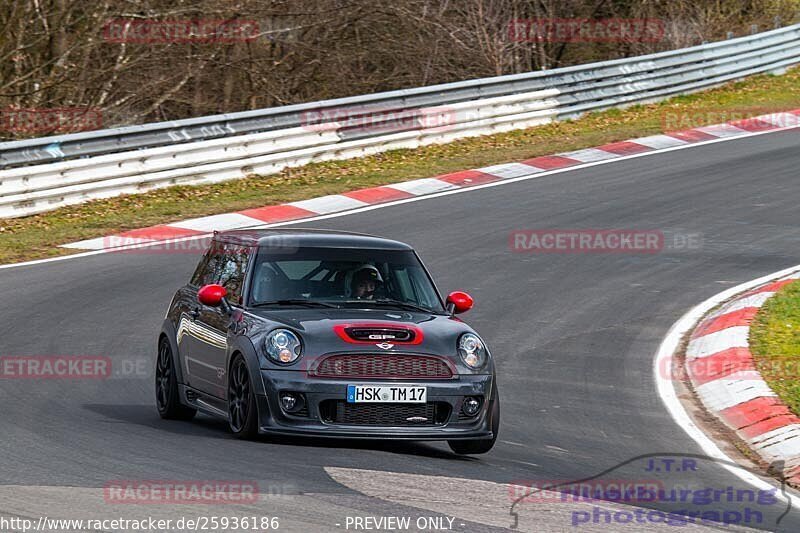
[{"x": 322, "y": 329}]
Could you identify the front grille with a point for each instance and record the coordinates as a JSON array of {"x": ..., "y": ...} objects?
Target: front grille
[
  {"x": 384, "y": 414},
  {"x": 383, "y": 366}
]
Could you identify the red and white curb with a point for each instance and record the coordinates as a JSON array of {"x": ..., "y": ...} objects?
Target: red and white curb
[
  {"x": 724, "y": 375},
  {"x": 336, "y": 203}
]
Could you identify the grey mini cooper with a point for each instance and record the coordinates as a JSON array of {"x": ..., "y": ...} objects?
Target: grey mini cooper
[{"x": 329, "y": 334}]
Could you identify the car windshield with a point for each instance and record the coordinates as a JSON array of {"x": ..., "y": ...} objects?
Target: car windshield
[{"x": 336, "y": 277}]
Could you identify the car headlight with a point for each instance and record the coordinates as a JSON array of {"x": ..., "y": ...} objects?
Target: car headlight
[
  {"x": 472, "y": 350},
  {"x": 283, "y": 346}
]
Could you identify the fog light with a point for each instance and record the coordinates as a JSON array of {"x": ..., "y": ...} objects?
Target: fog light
[
  {"x": 291, "y": 402},
  {"x": 285, "y": 355},
  {"x": 471, "y": 405},
  {"x": 472, "y": 360}
]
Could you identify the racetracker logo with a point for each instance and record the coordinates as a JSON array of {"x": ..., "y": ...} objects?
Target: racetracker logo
[
  {"x": 565, "y": 491},
  {"x": 587, "y": 241},
  {"x": 372, "y": 119},
  {"x": 149, "y": 242},
  {"x": 138, "y": 31},
  {"x": 751, "y": 119},
  {"x": 738, "y": 364},
  {"x": 157, "y": 243},
  {"x": 180, "y": 492},
  {"x": 50, "y": 120},
  {"x": 555, "y": 30},
  {"x": 55, "y": 367}
]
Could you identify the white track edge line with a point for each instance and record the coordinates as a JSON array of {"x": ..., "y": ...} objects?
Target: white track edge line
[
  {"x": 535, "y": 175},
  {"x": 669, "y": 396}
]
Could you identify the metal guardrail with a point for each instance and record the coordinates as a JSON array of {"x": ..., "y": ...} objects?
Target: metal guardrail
[{"x": 49, "y": 172}]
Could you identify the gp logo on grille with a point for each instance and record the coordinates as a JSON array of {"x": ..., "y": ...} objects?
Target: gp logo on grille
[
  {"x": 382, "y": 336},
  {"x": 382, "y": 331}
]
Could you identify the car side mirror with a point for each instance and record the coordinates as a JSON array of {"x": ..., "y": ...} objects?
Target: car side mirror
[
  {"x": 214, "y": 296},
  {"x": 459, "y": 302}
]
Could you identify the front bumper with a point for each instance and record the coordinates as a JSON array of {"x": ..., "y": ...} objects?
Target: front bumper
[{"x": 447, "y": 394}]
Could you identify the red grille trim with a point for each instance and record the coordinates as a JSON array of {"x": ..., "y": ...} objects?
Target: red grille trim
[{"x": 394, "y": 366}]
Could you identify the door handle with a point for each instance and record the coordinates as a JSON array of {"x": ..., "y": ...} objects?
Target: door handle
[{"x": 194, "y": 313}]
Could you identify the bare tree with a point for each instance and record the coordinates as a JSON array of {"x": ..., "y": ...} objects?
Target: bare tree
[{"x": 61, "y": 53}]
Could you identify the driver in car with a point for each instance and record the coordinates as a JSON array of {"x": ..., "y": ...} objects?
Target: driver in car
[{"x": 364, "y": 281}]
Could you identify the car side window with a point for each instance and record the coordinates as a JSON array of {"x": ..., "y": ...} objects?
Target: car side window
[
  {"x": 205, "y": 273},
  {"x": 231, "y": 267}
]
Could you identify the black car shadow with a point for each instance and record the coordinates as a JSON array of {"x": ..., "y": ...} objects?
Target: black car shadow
[
  {"x": 400, "y": 447},
  {"x": 147, "y": 416},
  {"x": 212, "y": 427}
]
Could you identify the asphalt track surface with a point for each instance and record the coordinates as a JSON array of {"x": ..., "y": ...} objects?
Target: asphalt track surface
[{"x": 574, "y": 336}]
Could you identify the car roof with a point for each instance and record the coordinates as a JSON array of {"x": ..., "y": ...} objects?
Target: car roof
[{"x": 308, "y": 238}]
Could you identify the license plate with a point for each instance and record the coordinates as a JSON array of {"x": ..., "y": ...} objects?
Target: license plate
[{"x": 385, "y": 394}]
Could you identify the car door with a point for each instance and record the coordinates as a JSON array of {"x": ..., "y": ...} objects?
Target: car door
[
  {"x": 209, "y": 356},
  {"x": 193, "y": 336}
]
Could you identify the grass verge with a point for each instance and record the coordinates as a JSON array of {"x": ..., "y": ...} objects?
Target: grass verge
[
  {"x": 38, "y": 236},
  {"x": 775, "y": 344}
]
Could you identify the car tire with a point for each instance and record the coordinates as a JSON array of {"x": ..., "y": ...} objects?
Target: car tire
[
  {"x": 242, "y": 409},
  {"x": 167, "y": 395},
  {"x": 479, "y": 446}
]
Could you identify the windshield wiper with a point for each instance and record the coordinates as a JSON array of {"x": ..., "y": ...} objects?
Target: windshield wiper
[
  {"x": 394, "y": 303},
  {"x": 296, "y": 301}
]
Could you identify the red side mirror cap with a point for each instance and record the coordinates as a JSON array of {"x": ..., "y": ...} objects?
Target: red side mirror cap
[
  {"x": 461, "y": 301},
  {"x": 211, "y": 295}
]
